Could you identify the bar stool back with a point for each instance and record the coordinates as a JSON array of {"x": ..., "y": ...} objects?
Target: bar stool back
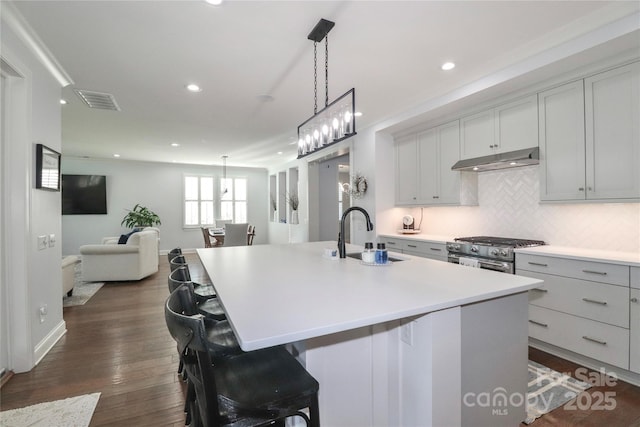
[{"x": 249, "y": 389}]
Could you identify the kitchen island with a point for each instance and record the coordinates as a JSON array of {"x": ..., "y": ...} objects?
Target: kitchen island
[{"x": 417, "y": 342}]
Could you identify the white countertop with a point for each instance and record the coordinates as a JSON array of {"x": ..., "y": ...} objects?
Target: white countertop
[
  {"x": 421, "y": 237},
  {"x": 277, "y": 294},
  {"x": 611, "y": 257}
]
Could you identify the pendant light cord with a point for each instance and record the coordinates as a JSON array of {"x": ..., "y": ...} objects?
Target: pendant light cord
[{"x": 326, "y": 71}]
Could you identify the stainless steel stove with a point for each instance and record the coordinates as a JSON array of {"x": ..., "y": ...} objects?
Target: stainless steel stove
[{"x": 492, "y": 253}]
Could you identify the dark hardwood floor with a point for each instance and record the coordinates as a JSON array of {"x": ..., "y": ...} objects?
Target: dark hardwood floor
[{"x": 118, "y": 344}]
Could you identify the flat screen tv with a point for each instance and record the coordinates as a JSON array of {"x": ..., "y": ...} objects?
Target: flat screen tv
[{"x": 84, "y": 194}]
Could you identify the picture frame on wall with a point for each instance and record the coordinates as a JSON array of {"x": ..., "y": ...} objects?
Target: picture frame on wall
[{"x": 47, "y": 168}]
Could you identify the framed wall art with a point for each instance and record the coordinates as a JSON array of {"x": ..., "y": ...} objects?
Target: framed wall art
[{"x": 47, "y": 168}]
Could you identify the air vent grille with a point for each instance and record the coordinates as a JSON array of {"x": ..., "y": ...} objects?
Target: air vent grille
[{"x": 102, "y": 101}]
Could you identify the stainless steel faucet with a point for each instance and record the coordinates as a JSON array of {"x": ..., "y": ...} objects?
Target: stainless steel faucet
[{"x": 341, "y": 245}]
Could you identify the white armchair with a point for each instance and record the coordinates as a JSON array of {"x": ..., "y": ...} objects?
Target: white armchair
[{"x": 134, "y": 260}]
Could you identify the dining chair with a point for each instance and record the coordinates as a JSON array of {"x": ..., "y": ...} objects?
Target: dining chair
[
  {"x": 254, "y": 388},
  {"x": 207, "y": 237},
  {"x": 236, "y": 234}
]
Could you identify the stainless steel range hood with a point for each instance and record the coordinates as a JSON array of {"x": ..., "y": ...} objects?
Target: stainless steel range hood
[{"x": 511, "y": 159}]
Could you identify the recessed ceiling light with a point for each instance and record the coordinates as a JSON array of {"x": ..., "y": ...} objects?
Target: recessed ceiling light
[
  {"x": 194, "y": 88},
  {"x": 448, "y": 66},
  {"x": 358, "y": 114},
  {"x": 214, "y": 2},
  {"x": 279, "y": 152},
  {"x": 116, "y": 155},
  {"x": 175, "y": 144},
  {"x": 63, "y": 102}
]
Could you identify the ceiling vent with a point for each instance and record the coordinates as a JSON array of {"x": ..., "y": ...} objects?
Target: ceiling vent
[{"x": 102, "y": 101}]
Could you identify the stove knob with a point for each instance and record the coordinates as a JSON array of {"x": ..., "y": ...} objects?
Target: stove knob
[
  {"x": 503, "y": 252},
  {"x": 474, "y": 249},
  {"x": 494, "y": 252}
]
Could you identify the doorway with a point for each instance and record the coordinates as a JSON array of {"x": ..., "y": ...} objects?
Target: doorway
[{"x": 327, "y": 180}]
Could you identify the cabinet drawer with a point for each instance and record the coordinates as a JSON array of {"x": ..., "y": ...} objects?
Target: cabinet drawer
[
  {"x": 425, "y": 248},
  {"x": 594, "y": 271},
  {"x": 394, "y": 245},
  {"x": 635, "y": 277},
  {"x": 600, "y": 341},
  {"x": 634, "y": 331},
  {"x": 592, "y": 300}
]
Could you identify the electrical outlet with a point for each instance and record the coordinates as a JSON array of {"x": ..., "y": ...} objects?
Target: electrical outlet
[
  {"x": 52, "y": 240},
  {"x": 43, "y": 312},
  {"x": 406, "y": 333},
  {"x": 43, "y": 242}
]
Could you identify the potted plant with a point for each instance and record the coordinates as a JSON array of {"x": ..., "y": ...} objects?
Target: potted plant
[
  {"x": 140, "y": 217},
  {"x": 294, "y": 202}
]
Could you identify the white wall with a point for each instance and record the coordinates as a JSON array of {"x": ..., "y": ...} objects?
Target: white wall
[
  {"x": 158, "y": 186},
  {"x": 33, "y": 276}
]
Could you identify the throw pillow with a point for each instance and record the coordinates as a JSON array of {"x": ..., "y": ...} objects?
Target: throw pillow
[{"x": 124, "y": 237}]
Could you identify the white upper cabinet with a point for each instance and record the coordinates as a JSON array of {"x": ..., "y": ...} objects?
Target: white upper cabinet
[
  {"x": 477, "y": 135},
  {"x": 516, "y": 125},
  {"x": 423, "y": 169},
  {"x": 407, "y": 171},
  {"x": 439, "y": 149},
  {"x": 590, "y": 138},
  {"x": 612, "y": 132},
  {"x": 561, "y": 121},
  {"x": 508, "y": 127}
]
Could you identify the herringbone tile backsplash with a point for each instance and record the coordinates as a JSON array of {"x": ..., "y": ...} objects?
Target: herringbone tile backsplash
[{"x": 509, "y": 206}]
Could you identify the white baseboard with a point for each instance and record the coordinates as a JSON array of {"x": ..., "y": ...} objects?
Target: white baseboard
[{"x": 49, "y": 341}]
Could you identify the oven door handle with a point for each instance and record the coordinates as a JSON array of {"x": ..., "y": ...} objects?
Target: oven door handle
[{"x": 489, "y": 265}]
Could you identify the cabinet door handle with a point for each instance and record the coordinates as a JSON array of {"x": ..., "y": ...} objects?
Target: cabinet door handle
[
  {"x": 539, "y": 264},
  {"x": 581, "y": 189},
  {"x": 601, "y": 273},
  {"x": 540, "y": 290},
  {"x": 634, "y": 299},
  {"x": 594, "y": 301},
  {"x": 391, "y": 243},
  {"x": 594, "y": 340},
  {"x": 412, "y": 246},
  {"x": 436, "y": 249},
  {"x": 436, "y": 197},
  {"x": 544, "y": 325}
]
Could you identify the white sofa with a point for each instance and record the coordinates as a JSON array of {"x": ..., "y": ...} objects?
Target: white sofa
[
  {"x": 69, "y": 274},
  {"x": 110, "y": 261}
]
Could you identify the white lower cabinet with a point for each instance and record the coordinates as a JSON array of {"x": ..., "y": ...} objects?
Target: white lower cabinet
[
  {"x": 634, "y": 321},
  {"x": 597, "y": 340},
  {"x": 421, "y": 248},
  {"x": 583, "y": 306}
]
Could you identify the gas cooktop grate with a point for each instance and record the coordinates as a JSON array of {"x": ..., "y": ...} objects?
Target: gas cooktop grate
[{"x": 500, "y": 241}]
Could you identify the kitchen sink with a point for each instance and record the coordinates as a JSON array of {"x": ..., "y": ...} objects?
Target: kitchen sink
[{"x": 358, "y": 255}]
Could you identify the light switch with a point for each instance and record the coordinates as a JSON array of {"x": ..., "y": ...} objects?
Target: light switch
[
  {"x": 52, "y": 240},
  {"x": 43, "y": 241}
]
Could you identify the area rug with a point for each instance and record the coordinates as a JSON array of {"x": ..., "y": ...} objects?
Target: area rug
[
  {"x": 549, "y": 389},
  {"x": 82, "y": 291},
  {"x": 71, "y": 412}
]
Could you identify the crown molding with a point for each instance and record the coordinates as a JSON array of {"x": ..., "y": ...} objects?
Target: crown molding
[{"x": 16, "y": 22}]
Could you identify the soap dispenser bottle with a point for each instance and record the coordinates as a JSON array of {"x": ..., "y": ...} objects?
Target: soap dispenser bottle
[{"x": 368, "y": 255}]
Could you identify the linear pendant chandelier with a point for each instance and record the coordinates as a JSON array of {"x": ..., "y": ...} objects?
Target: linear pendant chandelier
[{"x": 336, "y": 121}]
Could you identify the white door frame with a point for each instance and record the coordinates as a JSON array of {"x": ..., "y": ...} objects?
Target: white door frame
[{"x": 16, "y": 204}]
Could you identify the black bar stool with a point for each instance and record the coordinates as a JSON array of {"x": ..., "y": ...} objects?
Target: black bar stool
[{"x": 249, "y": 389}]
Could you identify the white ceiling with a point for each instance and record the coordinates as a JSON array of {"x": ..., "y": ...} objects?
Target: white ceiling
[{"x": 146, "y": 52}]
